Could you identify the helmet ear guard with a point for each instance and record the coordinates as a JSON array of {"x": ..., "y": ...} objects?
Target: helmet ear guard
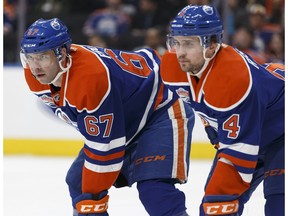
[
  {"x": 23, "y": 60},
  {"x": 203, "y": 21}
]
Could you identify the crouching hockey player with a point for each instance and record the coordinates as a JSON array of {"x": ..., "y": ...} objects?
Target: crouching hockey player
[
  {"x": 241, "y": 104},
  {"x": 135, "y": 129}
]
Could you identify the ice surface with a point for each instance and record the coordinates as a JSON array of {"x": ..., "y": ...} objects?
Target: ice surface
[{"x": 35, "y": 186}]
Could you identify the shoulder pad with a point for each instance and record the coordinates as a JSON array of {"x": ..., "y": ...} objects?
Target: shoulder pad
[
  {"x": 170, "y": 69},
  {"x": 88, "y": 81},
  {"x": 229, "y": 82}
]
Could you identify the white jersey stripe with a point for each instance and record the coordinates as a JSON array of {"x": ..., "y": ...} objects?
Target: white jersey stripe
[
  {"x": 175, "y": 142},
  {"x": 242, "y": 148},
  {"x": 153, "y": 94},
  {"x": 103, "y": 168},
  {"x": 47, "y": 91},
  {"x": 246, "y": 177},
  {"x": 105, "y": 147},
  {"x": 185, "y": 135}
]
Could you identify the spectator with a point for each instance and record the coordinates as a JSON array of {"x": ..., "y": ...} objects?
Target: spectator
[
  {"x": 96, "y": 40},
  {"x": 8, "y": 17},
  {"x": 233, "y": 17},
  {"x": 262, "y": 29},
  {"x": 275, "y": 9},
  {"x": 275, "y": 49},
  {"x": 154, "y": 39},
  {"x": 111, "y": 22},
  {"x": 198, "y": 2},
  {"x": 243, "y": 40},
  {"x": 9, "y": 32},
  {"x": 148, "y": 15}
]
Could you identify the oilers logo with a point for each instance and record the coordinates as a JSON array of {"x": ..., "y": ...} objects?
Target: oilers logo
[
  {"x": 48, "y": 101},
  {"x": 183, "y": 94},
  {"x": 55, "y": 24},
  {"x": 208, "y": 10}
]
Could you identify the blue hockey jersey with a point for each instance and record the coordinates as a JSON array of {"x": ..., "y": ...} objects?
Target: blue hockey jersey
[
  {"x": 109, "y": 96},
  {"x": 242, "y": 101}
]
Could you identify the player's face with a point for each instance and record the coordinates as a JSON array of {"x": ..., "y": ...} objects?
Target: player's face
[
  {"x": 44, "y": 66},
  {"x": 189, "y": 53}
]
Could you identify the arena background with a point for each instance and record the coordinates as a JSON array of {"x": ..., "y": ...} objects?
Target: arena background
[{"x": 29, "y": 128}]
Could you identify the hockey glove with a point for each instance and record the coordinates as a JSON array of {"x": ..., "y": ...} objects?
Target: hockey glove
[
  {"x": 221, "y": 205},
  {"x": 92, "y": 205}
]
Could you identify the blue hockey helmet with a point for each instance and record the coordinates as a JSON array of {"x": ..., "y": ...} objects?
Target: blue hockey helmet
[
  {"x": 45, "y": 35},
  {"x": 198, "y": 20}
]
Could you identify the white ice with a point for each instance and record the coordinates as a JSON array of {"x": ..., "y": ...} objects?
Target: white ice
[{"x": 35, "y": 186}]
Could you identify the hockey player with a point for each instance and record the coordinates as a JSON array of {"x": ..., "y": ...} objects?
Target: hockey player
[
  {"x": 135, "y": 129},
  {"x": 241, "y": 104}
]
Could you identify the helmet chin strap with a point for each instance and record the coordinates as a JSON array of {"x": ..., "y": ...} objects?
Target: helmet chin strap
[
  {"x": 207, "y": 60},
  {"x": 64, "y": 70}
]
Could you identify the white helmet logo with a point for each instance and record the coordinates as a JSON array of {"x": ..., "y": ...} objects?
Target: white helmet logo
[
  {"x": 55, "y": 24},
  {"x": 208, "y": 10}
]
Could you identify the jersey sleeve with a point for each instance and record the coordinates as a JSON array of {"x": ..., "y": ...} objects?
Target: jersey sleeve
[
  {"x": 104, "y": 147},
  {"x": 94, "y": 103}
]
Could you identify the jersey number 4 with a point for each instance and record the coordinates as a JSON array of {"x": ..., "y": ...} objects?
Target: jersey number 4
[{"x": 232, "y": 126}]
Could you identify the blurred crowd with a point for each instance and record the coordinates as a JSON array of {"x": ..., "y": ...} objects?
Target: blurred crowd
[{"x": 253, "y": 26}]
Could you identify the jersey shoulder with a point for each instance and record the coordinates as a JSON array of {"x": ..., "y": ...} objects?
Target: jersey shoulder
[
  {"x": 88, "y": 80},
  {"x": 229, "y": 81},
  {"x": 170, "y": 69}
]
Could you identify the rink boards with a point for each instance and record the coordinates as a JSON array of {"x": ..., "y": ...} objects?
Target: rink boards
[
  {"x": 72, "y": 147},
  {"x": 30, "y": 128}
]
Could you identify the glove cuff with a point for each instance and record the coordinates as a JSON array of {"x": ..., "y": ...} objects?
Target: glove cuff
[
  {"x": 221, "y": 208},
  {"x": 93, "y": 206}
]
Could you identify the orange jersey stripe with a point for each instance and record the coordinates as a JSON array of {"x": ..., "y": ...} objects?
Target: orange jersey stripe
[
  {"x": 239, "y": 162},
  {"x": 159, "y": 96},
  {"x": 104, "y": 158},
  {"x": 273, "y": 67},
  {"x": 181, "y": 174}
]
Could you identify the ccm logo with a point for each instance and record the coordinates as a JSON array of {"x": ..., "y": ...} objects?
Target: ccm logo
[
  {"x": 274, "y": 172},
  {"x": 97, "y": 208},
  {"x": 221, "y": 208},
  {"x": 150, "y": 159}
]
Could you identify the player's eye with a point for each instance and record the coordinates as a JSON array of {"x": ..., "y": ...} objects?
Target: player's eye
[
  {"x": 188, "y": 44},
  {"x": 176, "y": 43}
]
